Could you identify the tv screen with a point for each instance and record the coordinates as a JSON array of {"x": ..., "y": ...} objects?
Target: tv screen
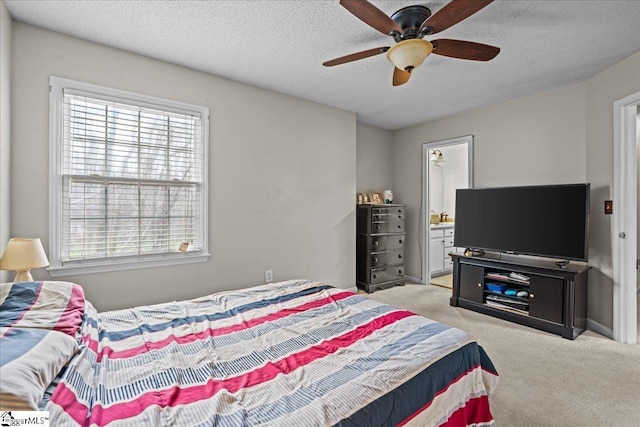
[{"x": 546, "y": 220}]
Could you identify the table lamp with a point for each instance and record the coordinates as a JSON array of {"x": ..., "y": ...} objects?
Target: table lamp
[{"x": 22, "y": 255}]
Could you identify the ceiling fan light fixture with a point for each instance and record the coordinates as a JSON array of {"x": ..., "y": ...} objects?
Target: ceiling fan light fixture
[{"x": 409, "y": 54}]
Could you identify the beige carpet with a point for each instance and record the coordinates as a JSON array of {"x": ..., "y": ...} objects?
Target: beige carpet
[
  {"x": 445, "y": 281},
  {"x": 546, "y": 380}
]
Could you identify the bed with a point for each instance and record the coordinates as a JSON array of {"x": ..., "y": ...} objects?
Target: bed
[{"x": 293, "y": 353}]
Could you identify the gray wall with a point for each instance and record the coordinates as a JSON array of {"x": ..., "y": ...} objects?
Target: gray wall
[
  {"x": 5, "y": 130},
  {"x": 621, "y": 80},
  {"x": 560, "y": 136},
  {"x": 282, "y": 176},
  {"x": 539, "y": 139},
  {"x": 373, "y": 159}
]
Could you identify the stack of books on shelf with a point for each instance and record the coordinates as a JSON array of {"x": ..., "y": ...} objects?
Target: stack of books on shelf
[{"x": 508, "y": 303}]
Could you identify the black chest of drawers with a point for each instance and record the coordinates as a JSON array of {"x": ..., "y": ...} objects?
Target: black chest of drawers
[{"x": 379, "y": 246}]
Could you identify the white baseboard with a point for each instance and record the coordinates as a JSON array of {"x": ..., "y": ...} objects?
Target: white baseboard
[
  {"x": 412, "y": 279},
  {"x": 599, "y": 328},
  {"x": 352, "y": 289}
]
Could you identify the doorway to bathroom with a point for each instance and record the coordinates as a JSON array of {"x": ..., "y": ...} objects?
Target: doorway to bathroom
[{"x": 446, "y": 166}]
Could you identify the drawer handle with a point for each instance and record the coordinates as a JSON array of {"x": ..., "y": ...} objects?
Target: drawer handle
[
  {"x": 479, "y": 285},
  {"x": 377, "y": 227},
  {"x": 375, "y": 260},
  {"x": 400, "y": 256},
  {"x": 532, "y": 296},
  {"x": 400, "y": 241},
  {"x": 400, "y": 216},
  {"x": 375, "y": 276},
  {"x": 376, "y": 243},
  {"x": 399, "y": 226},
  {"x": 400, "y": 272}
]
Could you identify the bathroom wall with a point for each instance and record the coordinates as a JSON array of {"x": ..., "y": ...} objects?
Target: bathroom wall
[{"x": 446, "y": 177}]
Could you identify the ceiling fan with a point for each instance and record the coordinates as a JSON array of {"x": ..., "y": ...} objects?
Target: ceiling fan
[{"x": 408, "y": 26}]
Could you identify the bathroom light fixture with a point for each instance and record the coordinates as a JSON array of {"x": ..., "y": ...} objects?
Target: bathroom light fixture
[
  {"x": 22, "y": 255},
  {"x": 436, "y": 156}
]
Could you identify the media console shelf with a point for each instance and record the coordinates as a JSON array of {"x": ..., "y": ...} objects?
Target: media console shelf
[{"x": 535, "y": 293}]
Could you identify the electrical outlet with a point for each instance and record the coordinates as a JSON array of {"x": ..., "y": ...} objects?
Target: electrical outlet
[{"x": 268, "y": 276}]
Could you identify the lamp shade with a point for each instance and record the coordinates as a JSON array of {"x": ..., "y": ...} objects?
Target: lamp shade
[
  {"x": 23, "y": 254},
  {"x": 409, "y": 54}
]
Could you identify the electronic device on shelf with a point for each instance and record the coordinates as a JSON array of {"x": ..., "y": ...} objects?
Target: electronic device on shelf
[{"x": 541, "y": 220}]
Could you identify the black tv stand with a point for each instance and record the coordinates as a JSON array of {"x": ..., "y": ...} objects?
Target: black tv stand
[{"x": 541, "y": 294}]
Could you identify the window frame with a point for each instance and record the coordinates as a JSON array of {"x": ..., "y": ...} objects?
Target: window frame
[{"x": 57, "y": 85}]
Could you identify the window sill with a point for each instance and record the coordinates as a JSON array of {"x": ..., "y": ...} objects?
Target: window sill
[{"x": 90, "y": 267}]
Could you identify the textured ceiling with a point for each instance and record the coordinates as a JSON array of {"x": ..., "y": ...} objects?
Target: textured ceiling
[{"x": 280, "y": 45}]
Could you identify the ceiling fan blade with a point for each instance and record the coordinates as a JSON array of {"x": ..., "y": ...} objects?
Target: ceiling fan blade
[
  {"x": 452, "y": 13},
  {"x": 464, "y": 49},
  {"x": 355, "y": 56},
  {"x": 400, "y": 77},
  {"x": 371, "y": 15}
]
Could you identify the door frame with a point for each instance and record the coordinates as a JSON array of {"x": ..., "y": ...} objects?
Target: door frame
[
  {"x": 425, "y": 208},
  {"x": 626, "y": 131}
]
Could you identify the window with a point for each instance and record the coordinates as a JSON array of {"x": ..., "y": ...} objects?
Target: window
[{"x": 128, "y": 180}]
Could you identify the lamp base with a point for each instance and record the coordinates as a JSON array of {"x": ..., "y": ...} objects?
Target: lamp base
[{"x": 23, "y": 276}]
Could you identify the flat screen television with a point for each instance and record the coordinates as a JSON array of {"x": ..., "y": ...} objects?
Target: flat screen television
[{"x": 544, "y": 220}]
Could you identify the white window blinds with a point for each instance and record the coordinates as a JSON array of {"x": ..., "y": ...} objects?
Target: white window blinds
[{"x": 132, "y": 178}]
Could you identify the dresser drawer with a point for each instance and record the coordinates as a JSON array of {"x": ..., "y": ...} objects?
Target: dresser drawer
[
  {"x": 384, "y": 243},
  {"x": 397, "y": 210},
  {"x": 448, "y": 242},
  {"x": 383, "y": 259},
  {"x": 387, "y": 274},
  {"x": 387, "y": 217},
  {"x": 448, "y": 232},
  {"x": 379, "y": 227}
]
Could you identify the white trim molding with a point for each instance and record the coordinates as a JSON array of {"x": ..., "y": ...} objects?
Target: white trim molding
[
  {"x": 425, "y": 208},
  {"x": 624, "y": 248},
  {"x": 58, "y": 87},
  {"x": 599, "y": 328}
]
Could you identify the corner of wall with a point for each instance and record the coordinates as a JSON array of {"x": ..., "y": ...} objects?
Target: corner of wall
[{"x": 5, "y": 128}]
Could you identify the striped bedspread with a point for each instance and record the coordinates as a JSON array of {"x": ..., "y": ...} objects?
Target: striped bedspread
[{"x": 295, "y": 353}]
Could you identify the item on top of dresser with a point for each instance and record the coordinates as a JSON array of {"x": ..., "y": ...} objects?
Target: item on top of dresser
[
  {"x": 434, "y": 218},
  {"x": 387, "y": 196},
  {"x": 443, "y": 217}
]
